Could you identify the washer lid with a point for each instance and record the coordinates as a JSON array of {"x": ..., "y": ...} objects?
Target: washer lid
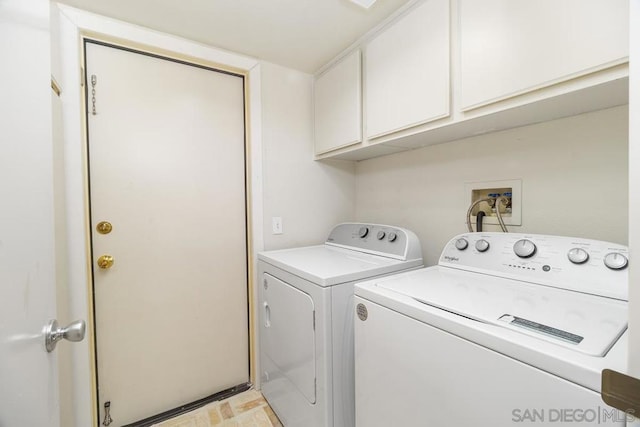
[
  {"x": 327, "y": 265},
  {"x": 586, "y": 323}
]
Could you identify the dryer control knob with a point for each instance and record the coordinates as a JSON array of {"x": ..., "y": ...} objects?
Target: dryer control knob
[
  {"x": 461, "y": 244},
  {"x": 616, "y": 261},
  {"x": 482, "y": 245},
  {"x": 363, "y": 232},
  {"x": 578, "y": 256},
  {"x": 392, "y": 237},
  {"x": 524, "y": 248},
  {"x": 381, "y": 235}
]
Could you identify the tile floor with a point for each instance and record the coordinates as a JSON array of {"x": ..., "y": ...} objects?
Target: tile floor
[{"x": 248, "y": 409}]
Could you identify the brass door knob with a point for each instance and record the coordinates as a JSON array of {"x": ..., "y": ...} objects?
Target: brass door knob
[
  {"x": 105, "y": 262},
  {"x": 104, "y": 227}
]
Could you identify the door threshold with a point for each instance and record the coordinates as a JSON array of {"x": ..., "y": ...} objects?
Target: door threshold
[{"x": 147, "y": 422}]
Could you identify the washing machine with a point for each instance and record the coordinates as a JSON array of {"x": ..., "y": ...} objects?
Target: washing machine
[
  {"x": 508, "y": 329},
  {"x": 306, "y": 318}
]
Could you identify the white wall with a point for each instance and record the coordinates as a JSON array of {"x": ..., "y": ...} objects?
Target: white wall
[
  {"x": 310, "y": 196},
  {"x": 573, "y": 171}
]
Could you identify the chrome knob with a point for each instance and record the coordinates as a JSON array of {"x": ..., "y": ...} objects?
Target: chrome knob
[
  {"x": 524, "y": 248},
  {"x": 461, "y": 244},
  {"x": 578, "y": 256},
  {"x": 52, "y": 333},
  {"x": 482, "y": 245},
  {"x": 616, "y": 261}
]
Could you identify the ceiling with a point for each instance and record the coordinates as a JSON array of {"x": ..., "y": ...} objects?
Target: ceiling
[{"x": 300, "y": 34}]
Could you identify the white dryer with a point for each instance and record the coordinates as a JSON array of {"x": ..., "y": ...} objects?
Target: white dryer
[
  {"x": 306, "y": 318},
  {"x": 507, "y": 329}
]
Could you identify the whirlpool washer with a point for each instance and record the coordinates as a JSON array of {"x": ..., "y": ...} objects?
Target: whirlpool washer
[
  {"x": 306, "y": 318},
  {"x": 506, "y": 329}
]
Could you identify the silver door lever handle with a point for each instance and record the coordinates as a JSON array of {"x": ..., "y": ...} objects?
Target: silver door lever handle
[{"x": 52, "y": 333}]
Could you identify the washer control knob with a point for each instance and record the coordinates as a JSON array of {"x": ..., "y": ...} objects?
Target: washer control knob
[
  {"x": 461, "y": 244},
  {"x": 524, "y": 248},
  {"x": 392, "y": 237},
  {"x": 363, "y": 232},
  {"x": 482, "y": 245},
  {"x": 578, "y": 256},
  {"x": 381, "y": 235},
  {"x": 616, "y": 261}
]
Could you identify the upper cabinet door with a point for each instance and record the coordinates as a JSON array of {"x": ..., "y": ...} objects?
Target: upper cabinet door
[
  {"x": 338, "y": 105},
  {"x": 509, "y": 47},
  {"x": 407, "y": 71}
]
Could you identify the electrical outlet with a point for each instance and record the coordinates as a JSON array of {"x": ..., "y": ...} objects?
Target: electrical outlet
[
  {"x": 511, "y": 215},
  {"x": 276, "y": 225}
]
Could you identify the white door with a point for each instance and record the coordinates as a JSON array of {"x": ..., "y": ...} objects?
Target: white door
[
  {"x": 167, "y": 171},
  {"x": 28, "y": 374}
]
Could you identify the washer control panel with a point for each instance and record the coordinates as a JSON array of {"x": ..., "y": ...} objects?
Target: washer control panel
[
  {"x": 584, "y": 265},
  {"x": 377, "y": 239}
]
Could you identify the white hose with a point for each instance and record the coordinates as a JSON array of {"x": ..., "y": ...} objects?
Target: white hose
[{"x": 499, "y": 215}]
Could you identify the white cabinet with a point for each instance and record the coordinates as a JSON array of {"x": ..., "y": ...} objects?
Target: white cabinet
[
  {"x": 407, "y": 71},
  {"x": 338, "y": 105},
  {"x": 509, "y": 47},
  {"x": 511, "y": 63}
]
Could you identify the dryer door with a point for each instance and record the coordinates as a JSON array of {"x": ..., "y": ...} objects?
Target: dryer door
[{"x": 288, "y": 335}]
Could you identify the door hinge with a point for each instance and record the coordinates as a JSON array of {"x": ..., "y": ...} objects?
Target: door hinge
[
  {"x": 55, "y": 87},
  {"x": 82, "y": 77}
]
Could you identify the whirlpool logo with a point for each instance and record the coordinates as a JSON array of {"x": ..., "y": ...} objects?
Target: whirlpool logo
[{"x": 451, "y": 258}]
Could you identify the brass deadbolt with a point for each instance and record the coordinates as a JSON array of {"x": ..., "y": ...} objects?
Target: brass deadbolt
[
  {"x": 104, "y": 227},
  {"x": 105, "y": 262}
]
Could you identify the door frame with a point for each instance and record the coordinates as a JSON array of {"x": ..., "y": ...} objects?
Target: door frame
[
  {"x": 70, "y": 27},
  {"x": 634, "y": 190}
]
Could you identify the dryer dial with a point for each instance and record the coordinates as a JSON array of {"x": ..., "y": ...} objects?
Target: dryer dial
[
  {"x": 392, "y": 237},
  {"x": 578, "y": 256},
  {"x": 380, "y": 235},
  {"x": 524, "y": 248},
  {"x": 363, "y": 232},
  {"x": 482, "y": 245},
  {"x": 616, "y": 261},
  {"x": 462, "y": 244}
]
